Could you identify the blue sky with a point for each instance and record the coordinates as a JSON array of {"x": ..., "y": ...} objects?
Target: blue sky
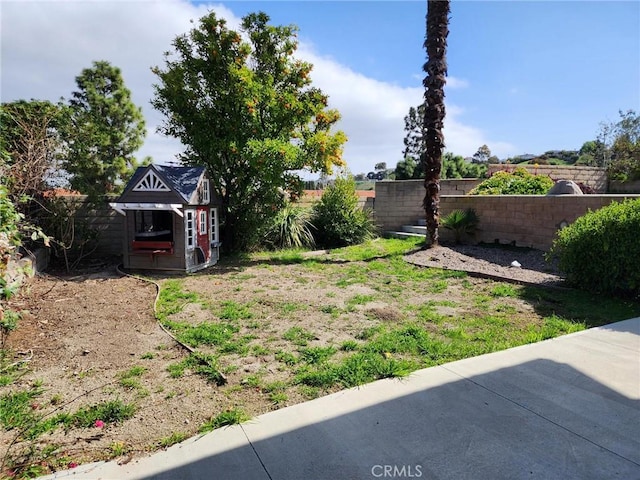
[{"x": 524, "y": 77}]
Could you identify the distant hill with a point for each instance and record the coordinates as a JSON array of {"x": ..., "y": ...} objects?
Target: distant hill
[{"x": 550, "y": 157}]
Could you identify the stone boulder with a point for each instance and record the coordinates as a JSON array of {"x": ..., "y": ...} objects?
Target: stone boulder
[{"x": 565, "y": 187}]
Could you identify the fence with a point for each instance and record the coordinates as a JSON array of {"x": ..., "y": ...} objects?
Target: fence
[
  {"x": 526, "y": 220},
  {"x": 101, "y": 218},
  {"x": 594, "y": 177},
  {"x": 523, "y": 220},
  {"x": 624, "y": 187}
]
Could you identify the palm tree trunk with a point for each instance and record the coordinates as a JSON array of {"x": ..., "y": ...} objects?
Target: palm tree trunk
[{"x": 436, "y": 70}]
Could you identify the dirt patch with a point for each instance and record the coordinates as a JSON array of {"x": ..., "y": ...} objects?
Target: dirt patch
[
  {"x": 492, "y": 262},
  {"x": 84, "y": 332}
]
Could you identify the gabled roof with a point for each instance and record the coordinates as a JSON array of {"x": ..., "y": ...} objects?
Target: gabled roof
[{"x": 182, "y": 180}]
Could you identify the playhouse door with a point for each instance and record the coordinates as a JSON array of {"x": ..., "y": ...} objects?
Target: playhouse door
[{"x": 204, "y": 246}]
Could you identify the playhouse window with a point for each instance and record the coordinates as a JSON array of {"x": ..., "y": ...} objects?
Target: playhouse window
[
  {"x": 154, "y": 225},
  {"x": 191, "y": 228},
  {"x": 205, "y": 192},
  {"x": 213, "y": 215},
  {"x": 203, "y": 222}
]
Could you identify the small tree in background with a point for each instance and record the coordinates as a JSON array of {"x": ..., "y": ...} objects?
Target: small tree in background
[
  {"x": 30, "y": 136},
  {"x": 30, "y": 146},
  {"x": 414, "y": 133},
  {"x": 588, "y": 153},
  {"x": 103, "y": 132},
  {"x": 617, "y": 148},
  {"x": 455, "y": 166},
  {"x": 405, "y": 169},
  {"x": 482, "y": 155},
  {"x": 625, "y": 148}
]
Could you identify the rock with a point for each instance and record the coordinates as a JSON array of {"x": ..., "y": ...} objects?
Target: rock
[
  {"x": 516, "y": 264},
  {"x": 565, "y": 187}
]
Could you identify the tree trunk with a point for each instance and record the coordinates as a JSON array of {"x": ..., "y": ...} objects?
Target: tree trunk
[{"x": 434, "y": 82}]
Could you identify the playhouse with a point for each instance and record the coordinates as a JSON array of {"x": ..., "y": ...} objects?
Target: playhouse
[{"x": 171, "y": 219}]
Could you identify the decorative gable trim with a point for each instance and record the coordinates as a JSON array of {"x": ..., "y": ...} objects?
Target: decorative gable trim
[{"x": 151, "y": 183}]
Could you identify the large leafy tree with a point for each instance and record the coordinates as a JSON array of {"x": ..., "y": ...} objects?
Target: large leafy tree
[
  {"x": 105, "y": 129},
  {"x": 434, "y": 82},
  {"x": 244, "y": 107}
]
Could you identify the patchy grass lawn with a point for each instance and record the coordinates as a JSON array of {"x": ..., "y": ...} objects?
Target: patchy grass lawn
[
  {"x": 270, "y": 330},
  {"x": 313, "y": 325}
]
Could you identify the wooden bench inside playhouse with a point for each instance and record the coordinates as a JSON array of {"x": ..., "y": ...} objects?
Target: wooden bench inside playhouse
[{"x": 152, "y": 247}]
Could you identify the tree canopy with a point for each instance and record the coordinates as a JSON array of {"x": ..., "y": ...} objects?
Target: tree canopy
[
  {"x": 617, "y": 147},
  {"x": 414, "y": 133},
  {"x": 31, "y": 141},
  {"x": 624, "y": 148},
  {"x": 482, "y": 155},
  {"x": 103, "y": 132},
  {"x": 244, "y": 107},
  {"x": 453, "y": 166}
]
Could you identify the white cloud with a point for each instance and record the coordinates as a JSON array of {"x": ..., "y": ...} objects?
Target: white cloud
[
  {"x": 464, "y": 140},
  {"x": 455, "y": 82},
  {"x": 45, "y": 45},
  {"x": 373, "y": 116}
]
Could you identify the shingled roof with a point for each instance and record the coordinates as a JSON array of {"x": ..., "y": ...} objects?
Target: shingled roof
[{"x": 182, "y": 180}]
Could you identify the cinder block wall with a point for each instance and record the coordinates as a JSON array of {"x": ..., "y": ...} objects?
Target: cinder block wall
[
  {"x": 398, "y": 203},
  {"x": 624, "y": 187},
  {"x": 527, "y": 220},
  {"x": 595, "y": 177},
  {"x": 460, "y": 186}
]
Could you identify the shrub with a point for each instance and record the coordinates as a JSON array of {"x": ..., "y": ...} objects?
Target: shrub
[
  {"x": 337, "y": 218},
  {"x": 9, "y": 222},
  {"x": 290, "y": 228},
  {"x": 600, "y": 251},
  {"x": 518, "y": 182},
  {"x": 461, "y": 222},
  {"x": 10, "y": 241},
  {"x": 8, "y": 323}
]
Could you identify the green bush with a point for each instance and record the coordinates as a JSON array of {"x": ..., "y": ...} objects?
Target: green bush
[
  {"x": 600, "y": 251},
  {"x": 337, "y": 218},
  {"x": 518, "y": 182},
  {"x": 9, "y": 222},
  {"x": 461, "y": 222},
  {"x": 290, "y": 228}
]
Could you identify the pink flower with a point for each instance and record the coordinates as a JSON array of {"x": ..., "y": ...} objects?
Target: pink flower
[
  {"x": 99, "y": 424},
  {"x": 72, "y": 465}
]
